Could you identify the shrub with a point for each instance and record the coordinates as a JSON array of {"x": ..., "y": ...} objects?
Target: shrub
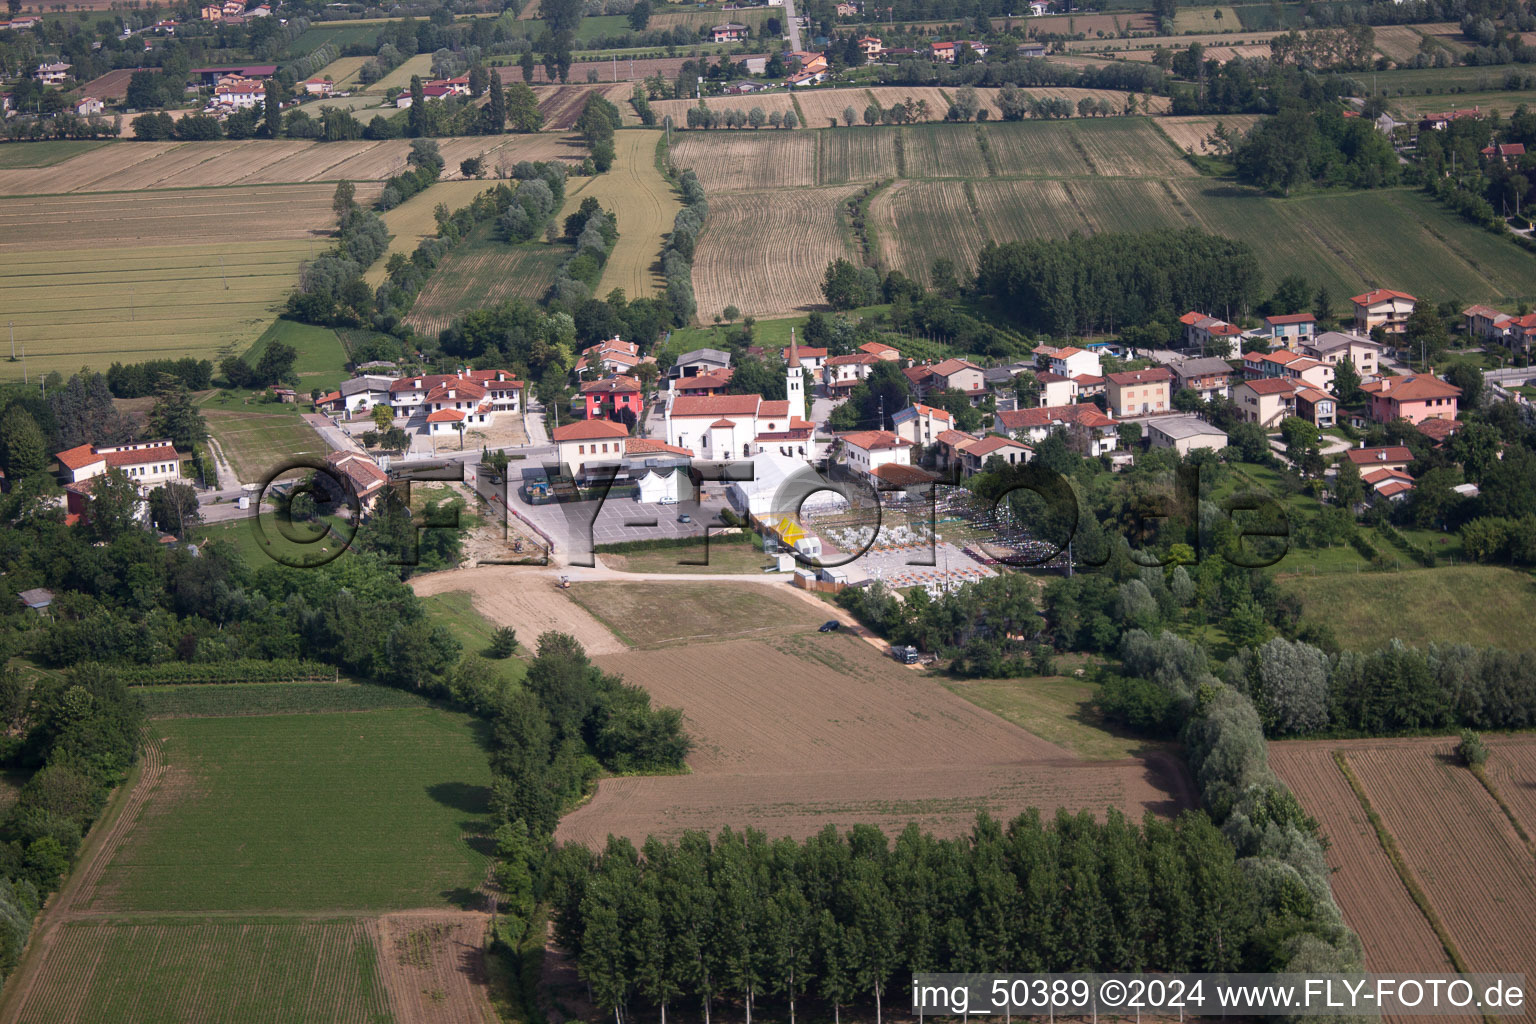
[
  {"x": 504, "y": 642},
  {"x": 1471, "y": 751}
]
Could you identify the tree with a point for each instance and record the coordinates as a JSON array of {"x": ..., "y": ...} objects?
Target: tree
[
  {"x": 276, "y": 365},
  {"x": 472, "y": 167},
  {"x": 272, "y": 102},
  {"x": 416, "y": 120},
  {"x": 1322, "y": 308},
  {"x": 526, "y": 64},
  {"x": 1470, "y": 379},
  {"x": 1425, "y": 331},
  {"x": 731, "y": 314},
  {"x": 175, "y": 416},
  {"x": 113, "y": 507},
  {"x": 849, "y": 116},
  {"x": 842, "y": 285},
  {"x": 1346, "y": 381},
  {"x": 1348, "y": 488},
  {"x": 504, "y": 642},
  {"x": 383, "y": 417},
  {"x": 523, "y": 108},
  {"x": 22, "y": 447},
  {"x": 479, "y": 80},
  {"x": 494, "y": 116},
  {"x": 173, "y": 507},
  {"x": 640, "y": 15},
  {"x": 343, "y": 201}
]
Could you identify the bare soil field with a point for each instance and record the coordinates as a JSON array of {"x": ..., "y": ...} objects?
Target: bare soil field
[
  {"x": 1189, "y": 133},
  {"x": 1071, "y": 24},
  {"x": 727, "y": 161},
  {"x": 111, "y": 86},
  {"x": 856, "y": 154},
  {"x": 793, "y": 733},
  {"x": 822, "y": 105},
  {"x": 1376, "y": 905},
  {"x": 561, "y": 104},
  {"x": 433, "y": 967},
  {"x": 528, "y": 602},
  {"x": 796, "y": 235},
  {"x": 1512, "y": 769},
  {"x": 1471, "y": 864},
  {"x": 696, "y": 612},
  {"x": 678, "y": 109}
]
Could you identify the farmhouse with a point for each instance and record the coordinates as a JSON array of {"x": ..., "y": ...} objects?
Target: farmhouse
[
  {"x": 730, "y": 32},
  {"x": 88, "y": 106},
  {"x": 239, "y": 95},
  {"x": 613, "y": 397},
  {"x": 881, "y": 351},
  {"x": 1412, "y": 397},
  {"x": 1088, "y": 430},
  {"x": 316, "y": 86},
  {"x": 920, "y": 424},
  {"x": 1439, "y": 122},
  {"x": 1139, "y": 392},
  {"x": 360, "y": 475},
  {"x": 1207, "y": 377},
  {"x": 210, "y": 76},
  {"x": 428, "y": 92},
  {"x": 1505, "y": 152},
  {"x": 1290, "y": 329},
  {"x": 1515, "y": 332},
  {"x": 870, "y": 45},
  {"x": 455, "y": 86},
  {"x": 1184, "y": 434},
  {"x": 1384, "y": 308},
  {"x": 147, "y": 463}
]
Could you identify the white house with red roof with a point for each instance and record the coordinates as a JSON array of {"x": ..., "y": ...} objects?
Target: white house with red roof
[
  {"x": 451, "y": 401},
  {"x": 1516, "y": 332},
  {"x": 612, "y": 356},
  {"x": 841, "y": 374},
  {"x": 737, "y": 426},
  {"x": 975, "y": 454},
  {"x": 1068, "y": 361},
  {"x": 1088, "y": 429},
  {"x": 868, "y": 450},
  {"x": 880, "y": 350},
  {"x": 1056, "y": 389},
  {"x": 242, "y": 95},
  {"x": 147, "y": 463},
  {"x": 1204, "y": 331},
  {"x": 921, "y": 424},
  {"x": 589, "y": 441},
  {"x": 1384, "y": 308},
  {"x": 1139, "y": 392},
  {"x": 317, "y": 86}
]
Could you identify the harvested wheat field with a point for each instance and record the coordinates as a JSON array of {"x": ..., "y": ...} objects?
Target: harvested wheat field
[
  {"x": 626, "y": 69},
  {"x": 916, "y": 222},
  {"x": 645, "y": 206},
  {"x": 529, "y": 602},
  {"x": 433, "y": 967},
  {"x": 793, "y": 733},
  {"x": 1456, "y": 843},
  {"x": 1189, "y": 133},
  {"x": 1397, "y": 42},
  {"x": 343, "y": 71},
  {"x": 413, "y": 220},
  {"x": 1376, "y": 905},
  {"x": 796, "y": 234},
  {"x": 728, "y": 161},
  {"x": 857, "y": 154},
  {"x": 821, "y": 106},
  {"x": 110, "y": 87},
  {"x": 770, "y": 103}
]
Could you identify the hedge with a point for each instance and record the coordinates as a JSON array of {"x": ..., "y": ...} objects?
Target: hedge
[{"x": 240, "y": 670}]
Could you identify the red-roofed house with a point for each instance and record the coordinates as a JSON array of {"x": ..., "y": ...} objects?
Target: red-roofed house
[
  {"x": 974, "y": 455},
  {"x": 920, "y": 423},
  {"x": 880, "y": 350},
  {"x": 868, "y": 450},
  {"x": 1265, "y": 401},
  {"x": 711, "y": 383},
  {"x": 613, "y": 397},
  {"x": 360, "y": 475},
  {"x": 1384, "y": 308},
  {"x": 1391, "y": 457},
  {"x": 1291, "y": 329},
  {"x": 147, "y": 463},
  {"x": 843, "y": 373},
  {"x": 1206, "y": 332},
  {"x": 1068, "y": 361},
  {"x": 1412, "y": 397},
  {"x": 960, "y": 374},
  {"x": 586, "y": 441},
  {"x": 1504, "y": 152},
  {"x": 478, "y": 396},
  {"x": 1139, "y": 392},
  {"x": 1517, "y": 332},
  {"x": 1088, "y": 429}
]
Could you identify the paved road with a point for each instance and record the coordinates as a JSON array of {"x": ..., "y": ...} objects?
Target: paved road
[{"x": 791, "y": 24}]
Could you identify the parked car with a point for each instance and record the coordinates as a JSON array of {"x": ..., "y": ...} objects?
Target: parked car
[
  {"x": 685, "y": 518},
  {"x": 830, "y": 626}
]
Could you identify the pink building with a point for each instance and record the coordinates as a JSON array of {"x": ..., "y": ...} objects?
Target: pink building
[{"x": 1413, "y": 397}]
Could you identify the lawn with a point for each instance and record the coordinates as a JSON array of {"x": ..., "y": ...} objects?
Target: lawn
[
  {"x": 1473, "y": 604},
  {"x": 730, "y": 554},
  {"x": 693, "y": 611},
  {"x": 45, "y": 153},
  {"x": 259, "y": 439},
  {"x": 771, "y": 334},
  {"x": 219, "y": 700},
  {"x": 455, "y": 611},
  {"x": 1055, "y": 708},
  {"x": 322, "y": 360},
  {"x": 365, "y": 811}
]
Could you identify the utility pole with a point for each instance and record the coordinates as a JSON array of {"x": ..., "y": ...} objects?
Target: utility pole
[
  {"x": 225, "y": 277},
  {"x": 13, "y": 341},
  {"x": 24, "y": 365}
]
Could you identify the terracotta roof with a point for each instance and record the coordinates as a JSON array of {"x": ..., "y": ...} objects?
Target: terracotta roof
[
  {"x": 778, "y": 407},
  {"x": 848, "y": 360},
  {"x": 722, "y": 422},
  {"x": 992, "y": 443},
  {"x": 1393, "y": 488},
  {"x": 950, "y": 366},
  {"x": 1152, "y": 376},
  {"x": 712, "y": 379},
  {"x": 806, "y": 352},
  {"x": 1191, "y": 318},
  {"x": 928, "y": 410},
  {"x": 459, "y": 388},
  {"x": 903, "y": 476},
  {"x": 1270, "y": 386},
  {"x": 1376, "y": 476},
  {"x": 1438, "y": 430},
  {"x": 954, "y": 438},
  {"x": 1411, "y": 388},
  {"x": 139, "y": 456},
  {"x": 1088, "y": 380},
  {"x": 590, "y": 430},
  {"x": 445, "y": 416},
  {"x": 651, "y": 446},
  {"x": 1290, "y": 318},
  {"x": 78, "y": 457},
  {"x": 609, "y": 385},
  {"x": 1047, "y": 377},
  {"x": 1084, "y": 414},
  {"x": 877, "y": 348},
  {"x": 1376, "y": 295},
  {"x": 715, "y": 405},
  {"x": 362, "y": 472},
  {"x": 1372, "y": 456},
  {"x": 875, "y": 440},
  {"x": 1314, "y": 396},
  {"x": 1063, "y": 353}
]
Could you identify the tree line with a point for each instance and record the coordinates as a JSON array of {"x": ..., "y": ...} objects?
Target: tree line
[
  {"x": 1102, "y": 282},
  {"x": 738, "y": 921}
]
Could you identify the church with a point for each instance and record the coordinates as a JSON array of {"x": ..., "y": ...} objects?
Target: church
[{"x": 721, "y": 427}]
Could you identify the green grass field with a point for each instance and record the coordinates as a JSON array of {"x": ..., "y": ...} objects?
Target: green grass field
[
  {"x": 342, "y": 35},
  {"x": 241, "y": 969},
  {"x": 1472, "y": 604},
  {"x": 481, "y": 271},
  {"x": 219, "y": 700},
  {"x": 45, "y": 153},
  {"x": 1055, "y": 708},
  {"x": 258, "y": 438},
  {"x": 312, "y": 813},
  {"x": 321, "y": 362}
]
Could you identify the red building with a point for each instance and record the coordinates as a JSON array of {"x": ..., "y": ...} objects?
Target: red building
[{"x": 613, "y": 396}]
